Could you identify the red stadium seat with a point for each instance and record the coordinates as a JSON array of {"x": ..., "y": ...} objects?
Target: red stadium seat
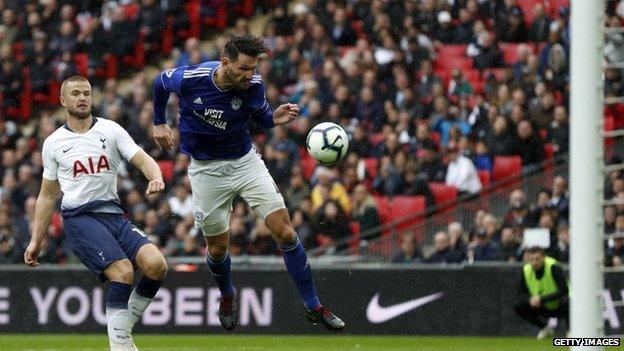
[
  {"x": 407, "y": 210},
  {"x": 443, "y": 193},
  {"x": 371, "y": 164},
  {"x": 450, "y": 51},
  {"x": 377, "y": 138},
  {"x": 461, "y": 63},
  {"x": 308, "y": 165},
  {"x": 506, "y": 167},
  {"x": 484, "y": 177},
  {"x": 549, "y": 151},
  {"x": 527, "y": 9},
  {"x": 82, "y": 63},
  {"x": 166, "y": 166}
]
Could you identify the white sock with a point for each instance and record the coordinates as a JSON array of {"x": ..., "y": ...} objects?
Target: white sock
[
  {"x": 117, "y": 319},
  {"x": 137, "y": 304}
]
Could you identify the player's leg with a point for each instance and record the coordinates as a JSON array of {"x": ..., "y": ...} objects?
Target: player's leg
[
  {"x": 153, "y": 265},
  {"x": 296, "y": 261},
  {"x": 212, "y": 198},
  {"x": 263, "y": 196},
  {"x": 91, "y": 239},
  {"x": 121, "y": 274},
  {"x": 219, "y": 262}
]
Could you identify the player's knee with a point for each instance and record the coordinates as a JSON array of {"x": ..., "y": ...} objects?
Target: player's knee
[
  {"x": 284, "y": 234},
  {"x": 121, "y": 271},
  {"x": 156, "y": 268},
  {"x": 217, "y": 250}
]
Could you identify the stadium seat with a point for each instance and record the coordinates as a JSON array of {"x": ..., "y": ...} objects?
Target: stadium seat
[
  {"x": 371, "y": 164},
  {"x": 450, "y": 51},
  {"x": 549, "y": 151},
  {"x": 407, "y": 210},
  {"x": 609, "y": 125},
  {"x": 527, "y": 9},
  {"x": 377, "y": 138},
  {"x": 307, "y": 165},
  {"x": 484, "y": 177},
  {"x": 506, "y": 167},
  {"x": 461, "y": 63},
  {"x": 443, "y": 193},
  {"x": 554, "y": 5},
  {"x": 166, "y": 166}
]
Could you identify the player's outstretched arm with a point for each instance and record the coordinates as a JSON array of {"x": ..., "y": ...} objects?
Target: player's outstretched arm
[
  {"x": 285, "y": 113},
  {"x": 150, "y": 169},
  {"x": 43, "y": 212},
  {"x": 164, "y": 84}
]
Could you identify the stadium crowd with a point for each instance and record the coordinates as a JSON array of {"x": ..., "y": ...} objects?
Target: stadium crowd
[{"x": 430, "y": 92}]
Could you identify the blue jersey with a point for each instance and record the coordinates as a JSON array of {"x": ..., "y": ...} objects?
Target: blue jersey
[{"x": 213, "y": 122}]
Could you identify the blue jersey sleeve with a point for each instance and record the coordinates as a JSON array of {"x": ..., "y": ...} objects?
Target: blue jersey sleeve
[
  {"x": 261, "y": 112},
  {"x": 165, "y": 83}
]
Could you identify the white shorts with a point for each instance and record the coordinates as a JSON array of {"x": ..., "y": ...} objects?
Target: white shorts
[{"x": 216, "y": 183}]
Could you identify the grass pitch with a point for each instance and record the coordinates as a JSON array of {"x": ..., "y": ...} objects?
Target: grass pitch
[{"x": 56, "y": 342}]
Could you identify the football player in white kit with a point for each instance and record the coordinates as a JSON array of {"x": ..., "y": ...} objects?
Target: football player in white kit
[{"x": 82, "y": 159}]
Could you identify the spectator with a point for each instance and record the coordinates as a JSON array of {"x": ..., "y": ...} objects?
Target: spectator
[
  {"x": 528, "y": 145},
  {"x": 443, "y": 253},
  {"x": 541, "y": 24},
  {"x": 331, "y": 225},
  {"x": 510, "y": 245},
  {"x": 461, "y": 173},
  {"x": 562, "y": 248},
  {"x": 559, "y": 131},
  {"x": 560, "y": 199},
  {"x": 409, "y": 252},
  {"x": 181, "y": 202},
  {"x": 458, "y": 247},
  {"x": 489, "y": 55},
  {"x": 482, "y": 248},
  {"x": 296, "y": 192},
  {"x": 262, "y": 242},
  {"x": 365, "y": 211},
  {"x": 337, "y": 191}
]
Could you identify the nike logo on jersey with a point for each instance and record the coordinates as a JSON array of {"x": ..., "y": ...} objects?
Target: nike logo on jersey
[
  {"x": 377, "y": 314},
  {"x": 198, "y": 101},
  {"x": 69, "y": 148}
]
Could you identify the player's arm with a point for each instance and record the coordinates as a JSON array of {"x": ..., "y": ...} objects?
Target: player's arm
[
  {"x": 150, "y": 169},
  {"x": 43, "y": 212},
  {"x": 165, "y": 83}
]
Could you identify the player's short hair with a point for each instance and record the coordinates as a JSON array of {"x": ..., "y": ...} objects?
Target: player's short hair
[
  {"x": 249, "y": 45},
  {"x": 75, "y": 78}
]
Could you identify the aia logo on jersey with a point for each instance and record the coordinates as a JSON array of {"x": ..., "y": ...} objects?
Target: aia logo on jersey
[{"x": 92, "y": 166}]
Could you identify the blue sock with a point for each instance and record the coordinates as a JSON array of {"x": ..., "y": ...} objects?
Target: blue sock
[
  {"x": 148, "y": 287},
  {"x": 221, "y": 272},
  {"x": 298, "y": 266},
  {"x": 118, "y": 295}
]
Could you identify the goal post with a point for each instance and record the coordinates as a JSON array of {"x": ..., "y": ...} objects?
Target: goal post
[{"x": 586, "y": 169}]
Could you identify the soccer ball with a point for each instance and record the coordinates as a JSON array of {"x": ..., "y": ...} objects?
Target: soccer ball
[{"x": 327, "y": 142}]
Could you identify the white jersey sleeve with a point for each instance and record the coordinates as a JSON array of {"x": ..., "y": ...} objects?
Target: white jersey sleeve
[
  {"x": 50, "y": 165},
  {"x": 124, "y": 142}
]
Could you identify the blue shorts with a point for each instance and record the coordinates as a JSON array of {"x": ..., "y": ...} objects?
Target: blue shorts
[{"x": 99, "y": 239}]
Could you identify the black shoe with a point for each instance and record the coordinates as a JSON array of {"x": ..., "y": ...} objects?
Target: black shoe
[
  {"x": 324, "y": 316},
  {"x": 227, "y": 312}
]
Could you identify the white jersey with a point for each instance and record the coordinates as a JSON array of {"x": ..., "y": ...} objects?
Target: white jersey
[{"x": 86, "y": 165}]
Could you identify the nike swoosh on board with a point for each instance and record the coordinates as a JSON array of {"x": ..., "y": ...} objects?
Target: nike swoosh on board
[{"x": 377, "y": 314}]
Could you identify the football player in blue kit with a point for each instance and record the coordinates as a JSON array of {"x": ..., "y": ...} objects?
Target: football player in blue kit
[{"x": 216, "y": 101}]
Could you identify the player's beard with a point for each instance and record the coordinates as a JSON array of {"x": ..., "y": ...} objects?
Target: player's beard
[
  {"x": 238, "y": 83},
  {"x": 74, "y": 112}
]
